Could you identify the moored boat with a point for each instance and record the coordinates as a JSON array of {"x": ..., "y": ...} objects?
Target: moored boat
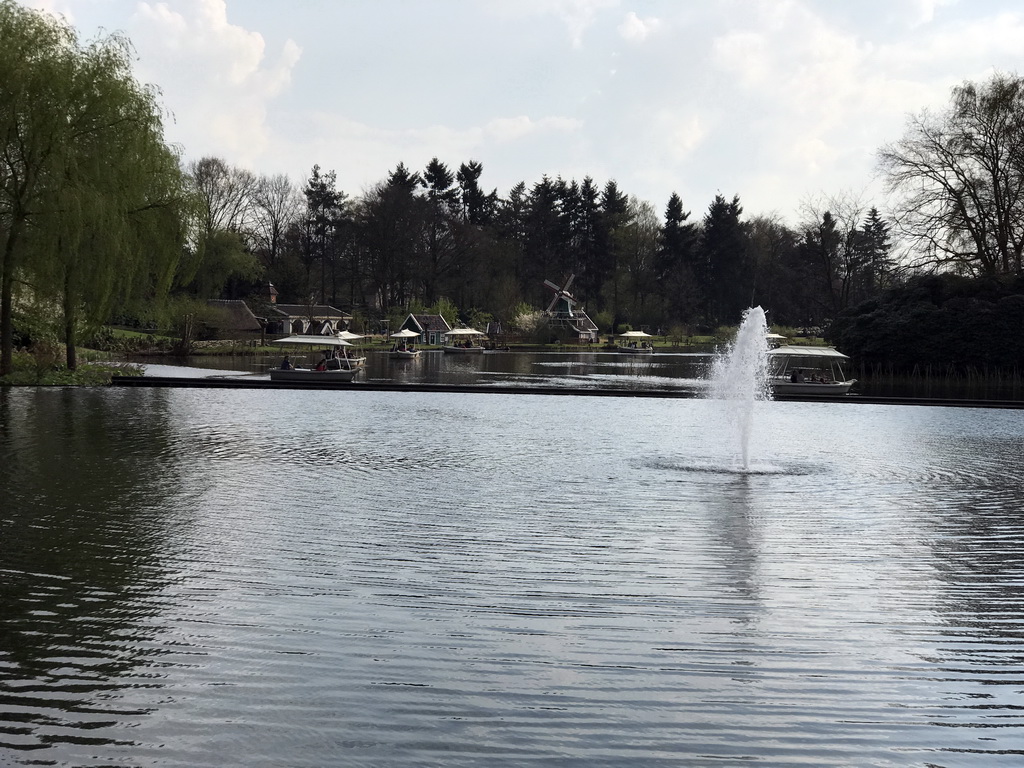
[
  {"x": 808, "y": 371},
  {"x": 463, "y": 341}
]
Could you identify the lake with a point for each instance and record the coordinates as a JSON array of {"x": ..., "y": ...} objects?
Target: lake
[
  {"x": 682, "y": 372},
  {"x": 199, "y": 577}
]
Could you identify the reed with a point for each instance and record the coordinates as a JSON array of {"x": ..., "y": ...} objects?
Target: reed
[{"x": 947, "y": 381}]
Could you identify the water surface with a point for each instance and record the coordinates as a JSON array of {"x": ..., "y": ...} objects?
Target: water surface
[{"x": 265, "y": 578}]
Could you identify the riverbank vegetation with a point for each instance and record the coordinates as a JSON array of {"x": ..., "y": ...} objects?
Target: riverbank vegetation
[
  {"x": 102, "y": 222},
  {"x": 44, "y": 367}
]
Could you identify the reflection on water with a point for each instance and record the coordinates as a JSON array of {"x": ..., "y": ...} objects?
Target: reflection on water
[
  {"x": 584, "y": 370},
  {"x": 686, "y": 373},
  {"x": 264, "y": 578}
]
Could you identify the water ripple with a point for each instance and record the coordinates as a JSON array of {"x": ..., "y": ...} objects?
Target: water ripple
[{"x": 288, "y": 578}]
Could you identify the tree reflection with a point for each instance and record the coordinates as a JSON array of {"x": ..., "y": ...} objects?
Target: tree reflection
[{"x": 81, "y": 551}]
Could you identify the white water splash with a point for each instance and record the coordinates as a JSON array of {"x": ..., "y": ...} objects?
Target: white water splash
[{"x": 740, "y": 376}]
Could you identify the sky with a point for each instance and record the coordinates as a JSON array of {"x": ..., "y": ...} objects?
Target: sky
[{"x": 781, "y": 102}]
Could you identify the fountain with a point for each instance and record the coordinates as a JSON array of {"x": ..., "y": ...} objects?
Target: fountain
[{"x": 740, "y": 376}]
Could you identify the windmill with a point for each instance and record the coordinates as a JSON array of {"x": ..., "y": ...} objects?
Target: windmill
[
  {"x": 564, "y": 320},
  {"x": 561, "y": 295}
]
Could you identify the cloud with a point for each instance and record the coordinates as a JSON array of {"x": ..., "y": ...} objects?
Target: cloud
[
  {"x": 506, "y": 129},
  {"x": 636, "y": 30},
  {"x": 576, "y": 15},
  {"x": 217, "y": 77},
  {"x": 923, "y": 11}
]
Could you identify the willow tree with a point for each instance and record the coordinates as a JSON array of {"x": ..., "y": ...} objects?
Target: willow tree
[{"x": 91, "y": 197}]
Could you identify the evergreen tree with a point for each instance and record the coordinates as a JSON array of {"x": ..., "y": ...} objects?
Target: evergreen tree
[
  {"x": 443, "y": 246},
  {"x": 675, "y": 264},
  {"x": 614, "y": 206},
  {"x": 389, "y": 226},
  {"x": 587, "y": 244},
  {"x": 875, "y": 255},
  {"x": 723, "y": 258},
  {"x": 326, "y": 211},
  {"x": 478, "y": 208}
]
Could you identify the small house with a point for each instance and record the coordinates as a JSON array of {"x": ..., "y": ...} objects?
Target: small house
[
  {"x": 231, "y": 319},
  {"x": 431, "y": 328}
]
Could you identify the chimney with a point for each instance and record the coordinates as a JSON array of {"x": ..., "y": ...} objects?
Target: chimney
[{"x": 270, "y": 293}]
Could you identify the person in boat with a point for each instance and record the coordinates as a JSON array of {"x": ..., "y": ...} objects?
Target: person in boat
[
  {"x": 322, "y": 365},
  {"x": 286, "y": 364}
]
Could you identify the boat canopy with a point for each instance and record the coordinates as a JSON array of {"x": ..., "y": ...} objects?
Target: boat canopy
[
  {"x": 464, "y": 332},
  {"x": 634, "y": 335},
  {"x": 348, "y": 335},
  {"x": 816, "y": 354},
  {"x": 405, "y": 333},
  {"x": 315, "y": 341}
]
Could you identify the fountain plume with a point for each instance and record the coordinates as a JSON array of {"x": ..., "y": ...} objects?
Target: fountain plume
[{"x": 740, "y": 376}]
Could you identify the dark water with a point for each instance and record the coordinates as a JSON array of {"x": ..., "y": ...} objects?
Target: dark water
[
  {"x": 582, "y": 370},
  {"x": 291, "y": 578}
]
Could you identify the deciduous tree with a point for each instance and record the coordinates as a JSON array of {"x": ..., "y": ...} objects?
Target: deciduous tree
[
  {"x": 92, "y": 201},
  {"x": 959, "y": 174}
]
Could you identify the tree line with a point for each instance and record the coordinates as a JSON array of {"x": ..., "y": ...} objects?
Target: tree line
[
  {"x": 101, "y": 218},
  {"x": 419, "y": 236}
]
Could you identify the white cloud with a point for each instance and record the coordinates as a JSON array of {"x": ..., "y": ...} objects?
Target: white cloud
[
  {"x": 506, "y": 129},
  {"x": 682, "y": 134},
  {"x": 576, "y": 15},
  {"x": 636, "y": 30},
  {"x": 215, "y": 75},
  {"x": 923, "y": 11}
]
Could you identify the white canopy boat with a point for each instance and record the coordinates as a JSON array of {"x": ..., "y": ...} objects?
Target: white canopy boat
[
  {"x": 336, "y": 366},
  {"x": 807, "y": 371},
  {"x": 402, "y": 349},
  {"x": 358, "y": 359},
  {"x": 468, "y": 341},
  {"x": 634, "y": 343}
]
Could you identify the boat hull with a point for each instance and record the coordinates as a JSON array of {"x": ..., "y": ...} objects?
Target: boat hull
[
  {"x": 405, "y": 354},
  {"x": 812, "y": 387},
  {"x": 636, "y": 350},
  {"x": 463, "y": 350},
  {"x": 310, "y": 376}
]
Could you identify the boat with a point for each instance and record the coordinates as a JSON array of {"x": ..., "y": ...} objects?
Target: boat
[
  {"x": 468, "y": 345},
  {"x": 337, "y": 366},
  {"x": 794, "y": 370},
  {"x": 634, "y": 343},
  {"x": 402, "y": 349},
  {"x": 359, "y": 359}
]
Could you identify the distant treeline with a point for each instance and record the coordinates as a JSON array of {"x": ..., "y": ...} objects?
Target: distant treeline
[{"x": 418, "y": 237}]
